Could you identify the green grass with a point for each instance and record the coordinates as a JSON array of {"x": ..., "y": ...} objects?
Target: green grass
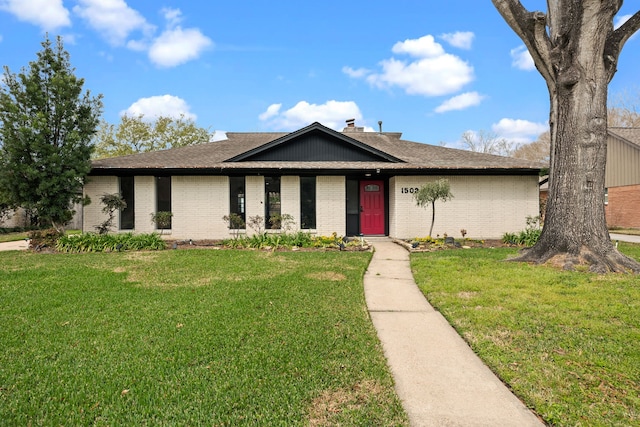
[
  {"x": 14, "y": 237},
  {"x": 567, "y": 343},
  {"x": 197, "y": 337}
]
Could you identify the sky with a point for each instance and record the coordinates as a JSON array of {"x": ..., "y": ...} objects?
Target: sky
[{"x": 432, "y": 70}]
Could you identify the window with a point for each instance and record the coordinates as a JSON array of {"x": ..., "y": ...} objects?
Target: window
[
  {"x": 237, "y": 199},
  {"x": 272, "y": 202},
  {"x": 127, "y": 215},
  {"x": 163, "y": 196},
  {"x": 307, "y": 202},
  {"x": 606, "y": 196}
]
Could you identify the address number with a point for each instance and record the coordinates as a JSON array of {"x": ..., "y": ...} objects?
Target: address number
[{"x": 409, "y": 190}]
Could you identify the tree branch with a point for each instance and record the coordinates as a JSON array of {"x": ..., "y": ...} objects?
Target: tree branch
[
  {"x": 617, "y": 39},
  {"x": 531, "y": 28}
]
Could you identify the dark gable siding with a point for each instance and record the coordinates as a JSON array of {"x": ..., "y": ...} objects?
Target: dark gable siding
[{"x": 315, "y": 147}]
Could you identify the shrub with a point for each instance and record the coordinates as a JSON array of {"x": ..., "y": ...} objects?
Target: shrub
[
  {"x": 44, "y": 238},
  {"x": 527, "y": 237},
  {"x": 162, "y": 220},
  {"x": 92, "y": 242}
]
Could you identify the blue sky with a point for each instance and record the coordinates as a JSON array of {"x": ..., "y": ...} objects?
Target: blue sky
[{"x": 432, "y": 70}]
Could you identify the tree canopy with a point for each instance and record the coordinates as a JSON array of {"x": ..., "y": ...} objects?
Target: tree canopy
[
  {"x": 46, "y": 125},
  {"x": 136, "y": 134}
]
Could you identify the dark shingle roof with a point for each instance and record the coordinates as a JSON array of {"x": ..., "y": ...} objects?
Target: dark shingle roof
[{"x": 214, "y": 156}]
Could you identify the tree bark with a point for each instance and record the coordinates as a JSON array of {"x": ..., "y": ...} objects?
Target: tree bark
[{"x": 575, "y": 48}]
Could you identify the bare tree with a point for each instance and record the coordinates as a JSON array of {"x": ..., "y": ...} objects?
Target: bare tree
[
  {"x": 624, "y": 110},
  {"x": 575, "y": 48},
  {"x": 537, "y": 151},
  {"x": 487, "y": 142}
]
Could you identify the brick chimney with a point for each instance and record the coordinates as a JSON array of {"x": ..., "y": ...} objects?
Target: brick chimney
[{"x": 351, "y": 126}]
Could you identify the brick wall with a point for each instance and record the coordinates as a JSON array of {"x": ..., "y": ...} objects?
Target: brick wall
[
  {"x": 145, "y": 203},
  {"x": 485, "y": 206},
  {"x": 199, "y": 203},
  {"x": 623, "y": 209},
  {"x": 290, "y": 198},
  {"x": 96, "y": 187},
  {"x": 254, "y": 185},
  {"x": 331, "y": 205}
]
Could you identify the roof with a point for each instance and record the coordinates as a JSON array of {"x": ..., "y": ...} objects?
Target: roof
[
  {"x": 385, "y": 151},
  {"x": 630, "y": 135}
]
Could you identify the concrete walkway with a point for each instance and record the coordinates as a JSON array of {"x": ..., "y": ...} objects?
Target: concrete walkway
[
  {"x": 19, "y": 245},
  {"x": 440, "y": 381},
  {"x": 625, "y": 237}
]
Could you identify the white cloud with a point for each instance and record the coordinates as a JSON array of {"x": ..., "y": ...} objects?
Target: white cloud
[
  {"x": 47, "y": 14},
  {"x": 113, "y": 19},
  {"x": 521, "y": 58},
  {"x": 459, "y": 39},
  {"x": 272, "y": 111},
  {"x": 177, "y": 46},
  {"x": 163, "y": 105},
  {"x": 424, "y": 47},
  {"x": 331, "y": 114},
  {"x": 428, "y": 77},
  {"x": 219, "y": 135},
  {"x": 356, "y": 74},
  {"x": 172, "y": 16},
  {"x": 619, "y": 20},
  {"x": 518, "y": 130},
  {"x": 460, "y": 102},
  {"x": 433, "y": 73}
]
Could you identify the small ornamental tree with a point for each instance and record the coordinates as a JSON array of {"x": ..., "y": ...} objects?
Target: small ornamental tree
[
  {"x": 431, "y": 192},
  {"x": 112, "y": 203},
  {"x": 46, "y": 126},
  {"x": 162, "y": 220}
]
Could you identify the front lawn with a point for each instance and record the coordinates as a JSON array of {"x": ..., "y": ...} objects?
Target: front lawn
[
  {"x": 567, "y": 343},
  {"x": 198, "y": 337}
]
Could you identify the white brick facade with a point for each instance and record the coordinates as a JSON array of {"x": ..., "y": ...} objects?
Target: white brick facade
[
  {"x": 198, "y": 204},
  {"x": 290, "y": 196},
  {"x": 485, "y": 206},
  {"x": 144, "y": 203},
  {"x": 331, "y": 205},
  {"x": 96, "y": 187}
]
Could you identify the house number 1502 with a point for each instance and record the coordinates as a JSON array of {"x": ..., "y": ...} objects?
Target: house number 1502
[{"x": 407, "y": 190}]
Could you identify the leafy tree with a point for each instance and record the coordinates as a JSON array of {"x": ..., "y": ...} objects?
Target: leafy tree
[
  {"x": 430, "y": 193},
  {"x": 45, "y": 136},
  {"x": 575, "y": 47},
  {"x": 134, "y": 134}
]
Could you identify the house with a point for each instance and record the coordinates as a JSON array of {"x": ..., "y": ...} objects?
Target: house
[
  {"x": 351, "y": 182},
  {"x": 622, "y": 180}
]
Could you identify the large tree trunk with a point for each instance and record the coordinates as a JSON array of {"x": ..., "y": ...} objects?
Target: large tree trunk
[{"x": 575, "y": 48}]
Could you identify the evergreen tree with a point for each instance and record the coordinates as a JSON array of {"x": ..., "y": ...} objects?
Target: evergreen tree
[{"x": 46, "y": 125}]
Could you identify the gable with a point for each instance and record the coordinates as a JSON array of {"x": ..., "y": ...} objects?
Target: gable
[{"x": 315, "y": 144}]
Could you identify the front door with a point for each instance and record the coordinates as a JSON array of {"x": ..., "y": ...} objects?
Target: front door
[{"x": 372, "y": 218}]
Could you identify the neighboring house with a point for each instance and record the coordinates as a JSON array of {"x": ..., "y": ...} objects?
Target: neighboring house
[
  {"x": 350, "y": 182},
  {"x": 21, "y": 219},
  {"x": 15, "y": 219},
  {"x": 622, "y": 181}
]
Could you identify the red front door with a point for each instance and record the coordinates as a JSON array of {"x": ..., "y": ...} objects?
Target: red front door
[{"x": 372, "y": 207}]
